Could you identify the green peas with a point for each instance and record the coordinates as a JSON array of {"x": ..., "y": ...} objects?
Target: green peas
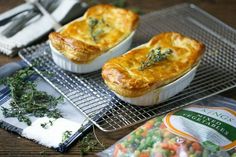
[
  {"x": 205, "y": 153},
  {"x": 139, "y": 131},
  {"x": 233, "y": 155}
]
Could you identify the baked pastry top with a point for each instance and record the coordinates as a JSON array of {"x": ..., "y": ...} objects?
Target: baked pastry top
[
  {"x": 101, "y": 28},
  {"x": 163, "y": 59}
]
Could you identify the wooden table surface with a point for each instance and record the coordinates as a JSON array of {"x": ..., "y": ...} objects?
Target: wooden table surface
[{"x": 13, "y": 145}]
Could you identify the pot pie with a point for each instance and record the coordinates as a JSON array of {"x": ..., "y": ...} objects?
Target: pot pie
[
  {"x": 154, "y": 71},
  {"x": 100, "y": 29}
]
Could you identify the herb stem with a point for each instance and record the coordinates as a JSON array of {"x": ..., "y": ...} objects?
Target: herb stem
[
  {"x": 94, "y": 133},
  {"x": 154, "y": 56}
]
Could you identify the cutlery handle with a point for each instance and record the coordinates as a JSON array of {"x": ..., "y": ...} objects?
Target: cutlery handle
[
  {"x": 10, "y": 68},
  {"x": 18, "y": 24},
  {"x": 56, "y": 25},
  {"x": 6, "y": 20}
]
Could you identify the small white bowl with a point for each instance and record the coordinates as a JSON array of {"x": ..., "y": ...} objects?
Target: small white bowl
[
  {"x": 163, "y": 93},
  {"x": 95, "y": 64}
]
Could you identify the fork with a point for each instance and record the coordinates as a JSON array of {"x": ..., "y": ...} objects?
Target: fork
[{"x": 20, "y": 22}]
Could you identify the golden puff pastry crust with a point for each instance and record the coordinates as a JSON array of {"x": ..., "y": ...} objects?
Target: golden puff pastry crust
[
  {"x": 101, "y": 28},
  {"x": 123, "y": 74}
]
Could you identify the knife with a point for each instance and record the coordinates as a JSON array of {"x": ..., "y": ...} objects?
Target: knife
[
  {"x": 54, "y": 22},
  {"x": 8, "y": 19},
  {"x": 20, "y": 22}
]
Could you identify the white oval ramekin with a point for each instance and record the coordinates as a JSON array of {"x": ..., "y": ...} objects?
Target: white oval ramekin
[
  {"x": 163, "y": 93},
  {"x": 95, "y": 64}
]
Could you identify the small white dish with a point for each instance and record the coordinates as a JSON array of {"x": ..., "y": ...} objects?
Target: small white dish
[
  {"x": 95, "y": 64},
  {"x": 163, "y": 93}
]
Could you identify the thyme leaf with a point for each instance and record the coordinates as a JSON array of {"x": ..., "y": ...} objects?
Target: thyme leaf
[
  {"x": 66, "y": 135},
  {"x": 154, "y": 56},
  {"x": 47, "y": 124},
  {"x": 27, "y": 100},
  {"x": 93, "y": 22},
  {"x": 95, "y": 31},
  {"x": 90, "y": 143}
]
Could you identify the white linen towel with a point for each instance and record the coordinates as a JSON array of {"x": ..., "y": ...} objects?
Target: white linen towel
[
  {"x": 67, "y": 10},
  {"x": 52, "y": 136}
]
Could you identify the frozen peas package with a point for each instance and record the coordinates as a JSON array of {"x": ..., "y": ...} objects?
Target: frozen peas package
[{"x": 205, "y": 129}]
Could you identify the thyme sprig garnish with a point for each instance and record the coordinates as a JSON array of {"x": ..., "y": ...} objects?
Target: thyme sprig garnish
[
  {"x": 66, "y": 135},
  {"x": 27, "y": 100},
  {"x": 90, "y": 143},
  {"x": 154, "y": 56},
  {"x": 95, "y": 31}
]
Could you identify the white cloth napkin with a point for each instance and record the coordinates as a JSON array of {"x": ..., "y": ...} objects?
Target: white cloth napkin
[
  {"x": 68, "y": 9},
  {"x": 52, "y": 136}
]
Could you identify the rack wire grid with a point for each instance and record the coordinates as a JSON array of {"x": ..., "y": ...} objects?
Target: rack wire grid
[{"x": 89, "y": 94}]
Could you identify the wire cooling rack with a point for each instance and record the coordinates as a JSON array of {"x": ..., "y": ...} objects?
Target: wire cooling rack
[{"x": 88, "y": 93}]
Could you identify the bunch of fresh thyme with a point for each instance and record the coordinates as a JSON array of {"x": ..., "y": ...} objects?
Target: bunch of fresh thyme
[
  {"x": 154, "y": 56},
  {"x": 27, "y": 100}
]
